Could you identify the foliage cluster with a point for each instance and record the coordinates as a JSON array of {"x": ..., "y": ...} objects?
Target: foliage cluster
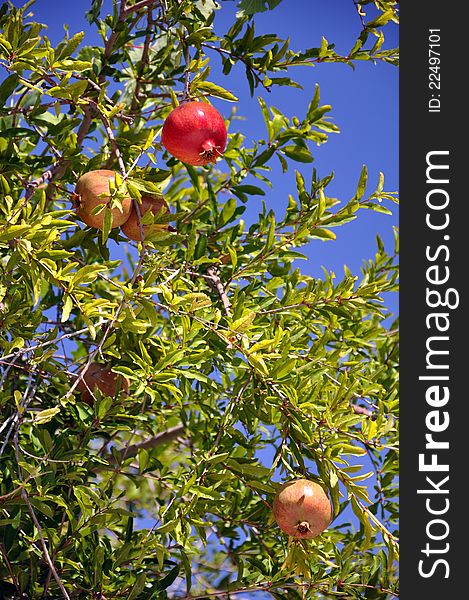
[{"x": 244, "y": 371}]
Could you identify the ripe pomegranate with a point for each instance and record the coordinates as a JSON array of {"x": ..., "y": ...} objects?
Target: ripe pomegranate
[
  {"x": 131, "y": 227},
  {"x": 302, "y": 508},
  {"x": 99, "y": 376},
  {"x": 86, "y": 198},
  {"x": 195, "y": 133}
]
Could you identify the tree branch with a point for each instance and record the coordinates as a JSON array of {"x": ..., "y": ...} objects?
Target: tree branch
[
  {"x": 112, "y": 139},
  {"x": 216, "y": 284},
  {"x": 143, "y": 4},
  {"x": 361, "y": 12},
  {"x": 52, "y": 568},
  {"x": 24, "y": 494},
  {"x": 246, "y": 62},
  {"x": 157, "y": 440},
  {"x": 361, "y": 410},
  {"x": 144, "y": 61}
]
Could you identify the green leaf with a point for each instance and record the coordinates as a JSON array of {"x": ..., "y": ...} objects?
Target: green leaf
[
  {"x": 138, "y": 586},
  {"x": 361, "y": 187},
  {"x": 376, "y": 207},
  {"x": 7, "y": 87},
  {"x": 93, "y": 13},
  {"x": 18, "y": 132},
  {"x": 72, "y": 44},
  {"x": 215, "y": 90},
  {"x": 227, "y": 212},
  {"x": 298, "y": 154},
  {"x": 77, "y": 66},
  {"x": 167, "y": 527},
  {"x": 251, "y": 190},
  {"x": 247, "y": 8},
  {"x": 168, "y": 579},
  {"x": 324, "y": 48},
  {"x": 284, "y": 81},
  {"x": 193, "y": 300},
  {"x": 316, "y": 114},
  {"x": 66, "y": 308},
  {"x": 187, "y": 571},
  {"x": 204, "y": 492},
  {"x": 382, "y": 19},
  {"x": 258, "y": 471},
  {"x": 87, "y": 274},
  {"x": 72, "y": 91},
  {"x": 314, "y": 103},
  {"x": 107, "y": 224},
  {"x": 265, "y": 111},
  {"x": 201, "y": 34},
  {"x": 243, "y": 324},
  {"x": 13, "y": 231},
  {"x": 44, "y": 416},
  {"x": 325, "y": 234}
]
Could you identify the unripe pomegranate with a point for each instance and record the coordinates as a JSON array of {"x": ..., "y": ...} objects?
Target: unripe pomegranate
[
  {"x": 86, "y": 198},
  {"x": 99, "y": 376},
  {"x": 302, "y": 508},
  {"x": 195, "y": 133},
  {"x": 131, "y": 227}
]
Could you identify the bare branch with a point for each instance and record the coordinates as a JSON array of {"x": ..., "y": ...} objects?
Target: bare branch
[
  {"x": 144, "y": 60},
  {"x": 112, "y": 139},
  {"x": 27, "y": 396},
  {"x": 361, "y": 13},
  {"x": 25, "y": 497},
  {"x": 216, "y": 283},
  {"x": 157, "y": 440},
  {"x": 48, "y": 343},
  {"x": 109, "y": 46},
  {"x": 361, "y": 410},
  {"x": 143, "y": 4},
  {"x": 246, "y": 62}
]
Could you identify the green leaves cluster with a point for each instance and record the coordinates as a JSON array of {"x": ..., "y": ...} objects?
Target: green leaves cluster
[{"x": 244, "y": 371}]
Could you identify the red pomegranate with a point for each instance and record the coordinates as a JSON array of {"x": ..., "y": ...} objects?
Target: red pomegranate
[
  {"x": 99, "y": 376},
  {"x": 131, "y": 227},
  {"x": 86, "y": 198},
  {"x": 302, "y": 508},
  {"x": 195, "y": 133}
]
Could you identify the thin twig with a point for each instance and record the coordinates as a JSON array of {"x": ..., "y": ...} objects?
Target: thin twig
[
  {"x": 215, "y": 282},
  {"x": 143, "y": 4},
  {"x": 46, "y": 176},
  {"x": 44, "y": 344},
  {"x": 109, "y": 45},
  {"x": 144, "y": 61},
  {"x": 44, "y": 546},
  {"x": 361, "y": 410},
  {"x": 10, "y": 570},
  {"x": 163, "y": 437},
  {"x": 187, "y": 74},
  {"x": 112, "y": 139},
  {"x": 361, "y": 12},
  {"x": 27, "y": 396},
  {"x": 246, "y": 62},
  {"x": 109, "y": 327}
]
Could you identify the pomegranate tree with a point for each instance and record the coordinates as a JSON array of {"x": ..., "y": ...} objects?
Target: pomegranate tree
[
  {"x": 87, "y": 197},
  {"x": 131, "y": 227},
  {"x": 195, "y": 133},
  {"x": 101, "y": 377},
  {"x": 302, "y": 508}
]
